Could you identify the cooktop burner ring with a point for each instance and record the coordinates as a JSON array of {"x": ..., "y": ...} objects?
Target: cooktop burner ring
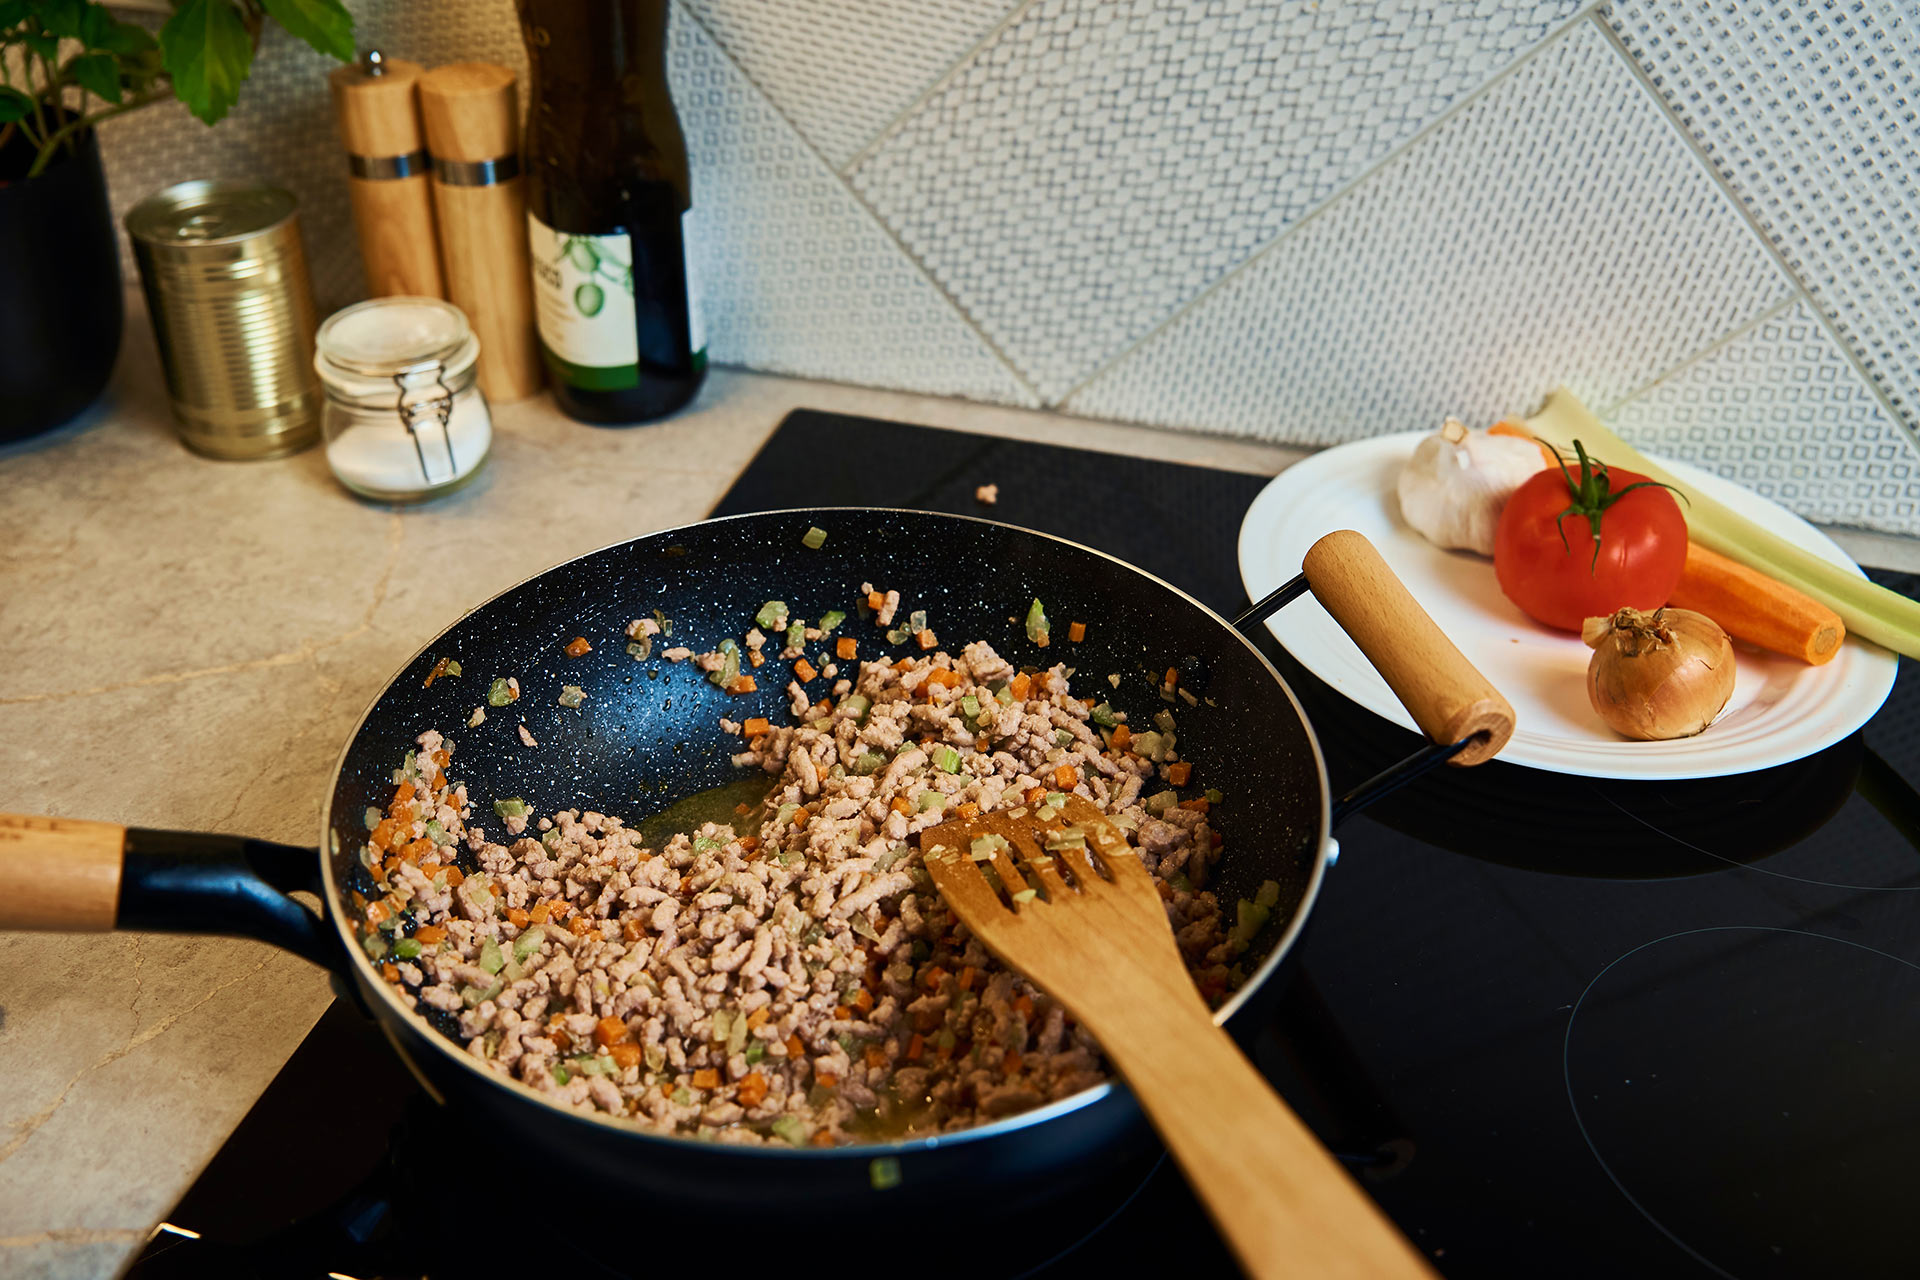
[
  {"x": 1737, "y": 864},
  {"x": 1785, "y": 1200}
]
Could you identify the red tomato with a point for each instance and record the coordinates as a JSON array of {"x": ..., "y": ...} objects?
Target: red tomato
[{"x": 1643, "y": 546}]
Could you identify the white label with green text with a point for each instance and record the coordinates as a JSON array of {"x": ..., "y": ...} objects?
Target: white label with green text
[{"x": 583, "y": 296}]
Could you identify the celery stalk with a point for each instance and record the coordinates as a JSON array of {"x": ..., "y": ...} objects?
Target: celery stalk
[{"x": 1869, "y": 610}]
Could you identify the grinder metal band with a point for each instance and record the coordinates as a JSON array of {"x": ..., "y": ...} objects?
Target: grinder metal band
[
  {"x": 477, "y": 173},
  {"x": 411, "y": 165}
]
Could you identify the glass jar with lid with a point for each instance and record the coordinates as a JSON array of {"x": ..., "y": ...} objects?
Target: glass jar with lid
[{"x": 405, "y": 419}]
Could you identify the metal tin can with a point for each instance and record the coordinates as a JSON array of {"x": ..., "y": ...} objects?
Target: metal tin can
[{"x": 226, "y": 284}]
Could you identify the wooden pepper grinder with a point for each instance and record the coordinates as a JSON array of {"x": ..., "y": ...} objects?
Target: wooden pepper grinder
[
  {"x": 471, "y": 111},
  {"x": 373, "y": 100}
]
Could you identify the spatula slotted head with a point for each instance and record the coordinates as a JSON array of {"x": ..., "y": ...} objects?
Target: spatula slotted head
[{"x": 1067, "y": 897}]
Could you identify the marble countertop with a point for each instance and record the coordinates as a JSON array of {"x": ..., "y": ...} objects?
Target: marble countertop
[{"x": 189, "y": 643}]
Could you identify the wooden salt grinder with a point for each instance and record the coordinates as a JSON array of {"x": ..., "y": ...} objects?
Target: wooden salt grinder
[
  {"x": 387, "y": 183},
  {"x": 471, "y": 111}
]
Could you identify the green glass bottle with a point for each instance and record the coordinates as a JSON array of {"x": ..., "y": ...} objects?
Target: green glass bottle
[{"x": 616, "y": 305}]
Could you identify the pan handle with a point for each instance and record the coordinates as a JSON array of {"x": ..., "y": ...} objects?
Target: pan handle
[
  {"x": 1446, "y": 695},
  {"x": 65, "y": 875}
]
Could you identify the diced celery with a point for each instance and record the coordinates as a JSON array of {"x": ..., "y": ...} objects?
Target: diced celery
[
  {"x": 407, "y": 948},
  {"x": 514, "y": 807},
  {"x": 770, "y": 615},
  {"x": 1102, "y": 715},
  {"x": 831, "y": 619},
  {"x": 663, "y": 622},
  {"x": 1061, "y": 737},
  {"x": 498, "y": 694},
  {"x": 856, "y": 705},
  {"x": 490, "y": 958},
  {"x": 722, "y": 1023},
  {"x": 755, "y": 1052},
  {"x": 437, "y": 833},
  {"x": 883, "y": 1173},
  {"x": 737, "y": 1036},
  {"x": 1179, "y": 881},
  {"x": 947, "y": 758},
  {"x": 1163, "y": 720},
  {"x": 792, "y": 1129},
  {"x": 984, "y": 847},
  {"x": 796, "y": 634},
  {"x": 560, "y": 1073},
  {"x": 526, "y": 944},
  {"x": 814, "y": 538},
  {"x": 572, "y": 695},
  {"x": 642, "y": 649},
  {"x": 376, "y": 945},
  {"x": 1161, "y": 801},
  {"x": 1036, "y": 622},
  {"x": 1026, "y": 895},
  {"x": 969, "y": 704},
  {"x": 1268, "y": 895},
  {"x": 682, "y": 1097},
  {"x": 1215, "y": 795},
  {"x": 785, "y": 813}
]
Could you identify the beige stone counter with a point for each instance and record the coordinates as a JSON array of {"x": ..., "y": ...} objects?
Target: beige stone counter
[{"x": 187, "y": 645}]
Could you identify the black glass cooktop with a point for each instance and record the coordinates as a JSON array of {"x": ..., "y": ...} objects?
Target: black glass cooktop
[{"x": 1556, "y": 1026}]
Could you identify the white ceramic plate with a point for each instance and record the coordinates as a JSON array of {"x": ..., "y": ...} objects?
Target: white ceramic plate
[{"x": 1781, "y": 709}]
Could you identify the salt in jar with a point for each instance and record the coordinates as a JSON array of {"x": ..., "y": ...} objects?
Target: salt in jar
[{"x": 404, "y": 417}]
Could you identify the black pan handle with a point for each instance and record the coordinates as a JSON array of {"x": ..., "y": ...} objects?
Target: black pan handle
[{"x": 71, "y": 876}]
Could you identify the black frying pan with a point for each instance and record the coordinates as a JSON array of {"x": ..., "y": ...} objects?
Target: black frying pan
[{"x": 647, "y": 735}]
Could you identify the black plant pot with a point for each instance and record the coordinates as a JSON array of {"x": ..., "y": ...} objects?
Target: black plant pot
[{"x": 60, "y": 303}]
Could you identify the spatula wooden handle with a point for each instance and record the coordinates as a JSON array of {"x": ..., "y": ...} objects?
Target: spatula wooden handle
[
  {"x": 1444, "y": 693},
  {"x": 59, "y": 874},
  {"x": 1285, "y": 1206}
]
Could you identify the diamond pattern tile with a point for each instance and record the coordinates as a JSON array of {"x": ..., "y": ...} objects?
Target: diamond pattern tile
[
  {"x": 1099, "y": 162},
  {"x": 841, "y": 70},
  {"x": 1557, "y": 229},
  {"x": 798, "y": 277},
  {"x": 1810, "y": 109},
  {"x": 1781, "y": 410}
]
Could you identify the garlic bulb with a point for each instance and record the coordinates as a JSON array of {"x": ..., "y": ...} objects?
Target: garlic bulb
[
  {"x": 1664, "y": 674},
  {"x": 1454, "y": 486}
]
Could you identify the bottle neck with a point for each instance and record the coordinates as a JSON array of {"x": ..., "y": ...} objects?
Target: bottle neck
[{"x": 613, "y": 51}]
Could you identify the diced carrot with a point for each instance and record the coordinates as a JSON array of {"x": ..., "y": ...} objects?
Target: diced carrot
[
  {"x": 1178, "y": 773},
  {"x": 626, "y": 1054},
  {"x": 750, "y": 844},
  {"x": 706, "y": 1078},
  {"x": 441, "y": 757},
  {"x": 579, "y": 926},
  {"x": 795, "y": 1049},
  {"x": 864, "y": 1001},
  {"x": 876, "y": 600},
  {"x": 1011, "y": 1064},
  {"x": 901, "y": 805},
  {"x": 439, "y": 669},
  {"x": 741, "y": 684},
  {"x": 560, "y": 1037},
  {"x": 417, "y": 850},
  {"x": 802, "y": 816},
  {"x": 846, "y": 647},
  {"x": 632, "y": 930},
  {"x": 1173, "y": 676},
  {"x": 803, "y": 670},
  {"x": 1066, "y": 777},
  {"x": 933, "y": 977},
  {"x": 843, "y": 1013},
  {"x": 578, "y": 647},
  {"x": 686, "y": 882},
  {"x": 1758, "y": 609},
  {"x": 390, "y": 971},
  {"x": 820, "y": 708},
  {"x": 666, "y": 1088},
  {"x": 382, "y": 837},
  {"x": 967, "y": 809},
  {"x": 1042, "y": 639},
  {"x": 540, "y": 912},
  {"x": 939, "y": 678},
  {"x": 967, "y": 974},
  {"x": 1025, "y": 1005},
  {"x": 752, "y": 1091},
  {"x": 825, "y": 1079},
  {"x": 610, "y": 1031},
  {"x": 758, "y": 1018},
  {"x": 916, "y": 1047},
  {"x": 377, "y": 912},
  {"x": 1076, "y": 631},
  {"x": 1218, "y": 839},
  {"x": 517, "y": 917},
  {"x": 1122, "y": 736},
  {"x": 438, "y": 781},
  {"x": 1164, "y": 889},
  {"x": 1019, "y": 686},
  {"x": 821, "y": 1138},
  {"x": 428, "y": 935},
  {"x": 1199, "y": 804},
  {"x": 455, "y": 877},
  {"x": 1035, "y": 795},
  {"x": 876, "y": 1056},
  {"x": 925, "y": 638},
  {"x": 755, "y": 657},
  {"x": 945, "y": 1051},
  {"x": 753, "y": 727}
]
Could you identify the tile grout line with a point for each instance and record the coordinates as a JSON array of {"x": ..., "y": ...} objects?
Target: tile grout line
[
  {"x": 1339, "y": 193},
  {"x": 1012, "y": 369},
  {"x": 1731, "y": 336},
  {"x": 939, "y": 82},
  {"x": 1699, "y": 151}
]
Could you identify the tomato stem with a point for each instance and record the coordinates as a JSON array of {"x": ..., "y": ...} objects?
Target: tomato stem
[{"x": 1591, "y": 496}]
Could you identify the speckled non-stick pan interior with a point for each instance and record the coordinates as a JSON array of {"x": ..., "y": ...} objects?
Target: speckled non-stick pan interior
[{"x": 647, "y": 733}]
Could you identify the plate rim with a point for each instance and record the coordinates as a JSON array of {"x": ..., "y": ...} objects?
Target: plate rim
[{"x": 1881, "y": 666}]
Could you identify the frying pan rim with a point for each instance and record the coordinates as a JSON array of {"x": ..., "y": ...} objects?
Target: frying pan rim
[{"x": 369, "y": 978}]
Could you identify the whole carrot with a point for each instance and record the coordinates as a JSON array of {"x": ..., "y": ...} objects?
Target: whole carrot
[{"x": 1756, "y": 608}]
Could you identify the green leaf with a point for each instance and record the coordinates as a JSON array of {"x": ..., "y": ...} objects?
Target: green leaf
[
  {"x": 14, "y": 105},
  {"x": 124, "y": 38},
  {"x": 98, "y": 74},
  {"x": 207, "y": 52},
  {"x": 12, "y": 12},
  {"x": 62, "y": 18},
  {"x": 324, "y": 24}
]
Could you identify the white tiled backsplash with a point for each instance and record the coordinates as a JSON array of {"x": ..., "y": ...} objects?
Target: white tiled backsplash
[{"x": 1305, "y": 222}]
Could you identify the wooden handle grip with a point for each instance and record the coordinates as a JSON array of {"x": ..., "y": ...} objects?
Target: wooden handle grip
[
  {"x": 1446, "y": 695},
  {"x": 59, "y": 874},
  {"x": 1284, "y": 1205}
]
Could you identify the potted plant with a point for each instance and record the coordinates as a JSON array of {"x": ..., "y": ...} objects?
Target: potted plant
[{"x": 66, "y": 65}]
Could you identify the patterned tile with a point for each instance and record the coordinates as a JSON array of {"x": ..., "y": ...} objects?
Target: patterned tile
[
  {"x": 282, "y": 129},
  {"x": 1809, "y": 110},
  {"x": 1101, "y": 161},
  {"x": 1781, "y": 410},
  {"x": 841, "y": 70},
  {"x": 798, "y": 277},
  {"x": 1557, "y": 229}
]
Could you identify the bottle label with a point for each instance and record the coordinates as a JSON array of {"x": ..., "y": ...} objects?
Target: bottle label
[{"x": 583, "y": 304}]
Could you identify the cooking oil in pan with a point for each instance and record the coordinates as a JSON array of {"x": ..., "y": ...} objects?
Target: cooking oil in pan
[{"x": 716, "y": 804}]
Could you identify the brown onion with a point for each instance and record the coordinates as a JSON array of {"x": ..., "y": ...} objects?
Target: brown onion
[{"x": 1664, "y": 674}]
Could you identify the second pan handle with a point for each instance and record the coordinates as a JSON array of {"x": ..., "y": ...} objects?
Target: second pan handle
[{"x": 1446, "y": 694}]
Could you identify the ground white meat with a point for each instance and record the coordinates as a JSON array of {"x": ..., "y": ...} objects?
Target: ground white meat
[{"x": 799, "y": 980}]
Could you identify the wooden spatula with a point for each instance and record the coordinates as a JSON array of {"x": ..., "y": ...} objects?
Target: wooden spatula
[{"x": 1093, "y": 932}]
